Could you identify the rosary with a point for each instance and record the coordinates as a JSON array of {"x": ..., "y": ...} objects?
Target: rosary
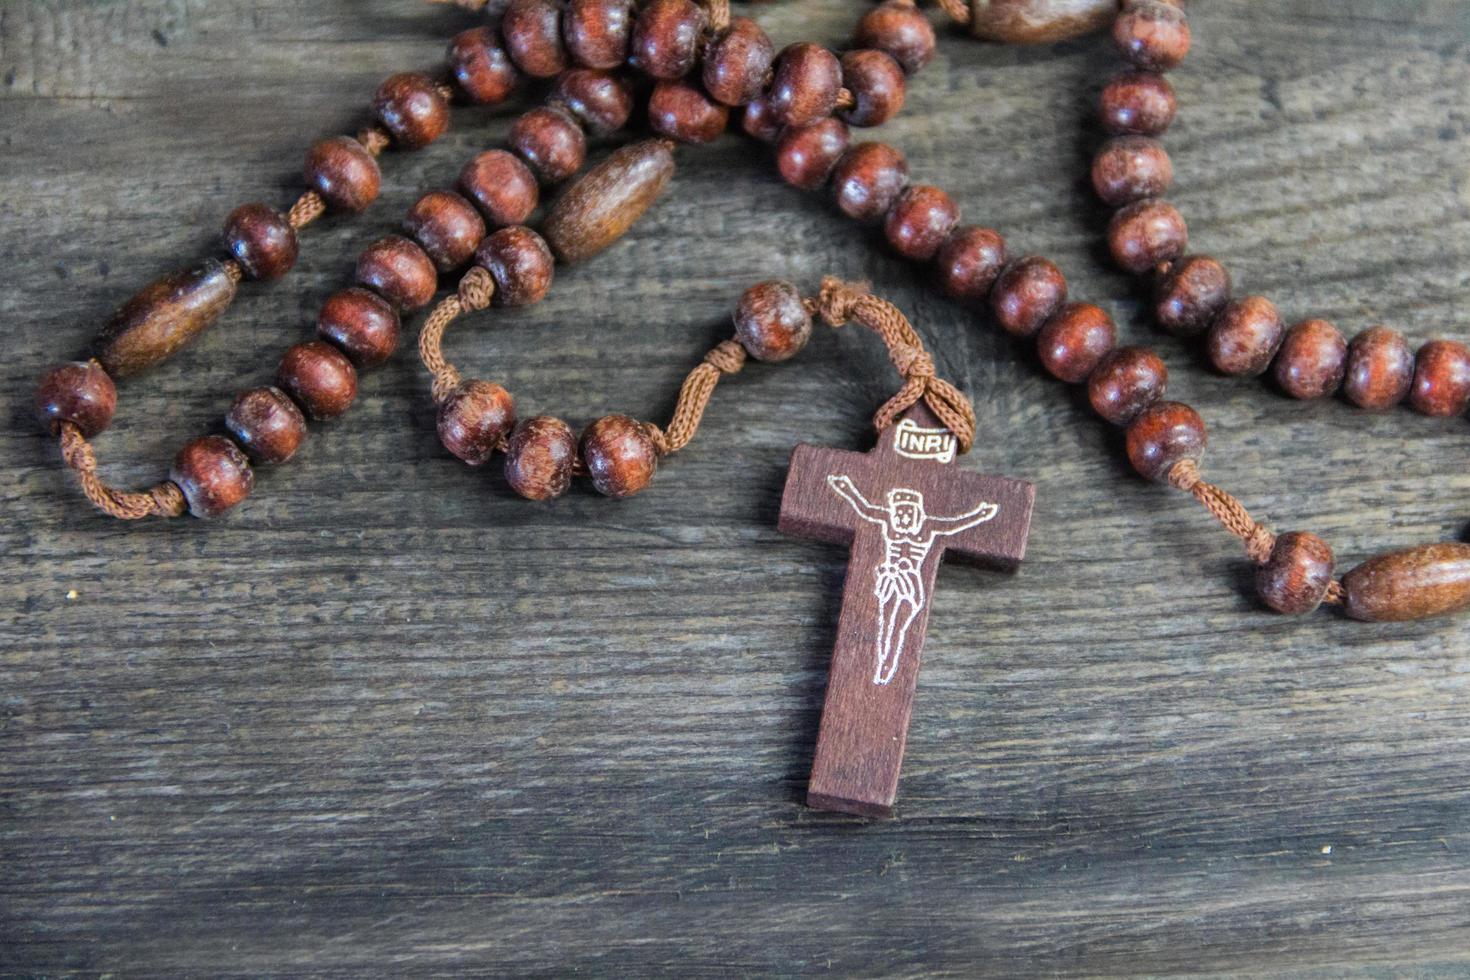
[{"x": 898, "y": 508}]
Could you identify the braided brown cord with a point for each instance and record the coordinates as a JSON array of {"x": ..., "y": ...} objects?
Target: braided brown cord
[
  {"x": 726, "y": 357},
  {"x": 1225, "y": 508},
  {"x": 308, "y": 207},
  {"x": 162, "y": 500},
  {"x": 958, "y": 11},
  {"x": 719, "y": 14},
  {"x": 234, "y": 270},
  {"x": 374, "y": 140},
  {"x": 476, "y": 289}
]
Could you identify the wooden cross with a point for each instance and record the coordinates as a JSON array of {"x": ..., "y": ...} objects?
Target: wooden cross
[{"x": 899, "y": 509}]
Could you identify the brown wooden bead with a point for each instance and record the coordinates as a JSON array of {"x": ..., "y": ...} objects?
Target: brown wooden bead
[
  {"x": 1146, "y": 233},
  {"x": 1027, "y": 293},
  {"x": 1295, "y": 578},
  {"x": 771, "y": 322},
  {"x": 213, "y": 474},
  {"x": 481, "y": 67},
  {"x": 1138, "y": 103},
  {"x": 163, "y": 317},
  {"x": 1416, "y": 583},
  {"x": 531, "y": 30},
  {"x": 319, "y": 378},
  {"x": 267, "y": 425},
  {"x": 539, "y": 457},
  {"x": 502, "y": 187},
  {"x": 1441, "y": 379},
  {"x": 412, "y": 109},
  {"x": 474, "y": 419},
  {"x": 1312, "y": 360},
  {"x": 446, "y": 227},
  {"x": 758, "y": 121},
  {"x": 1126, "y": 382},
  {"x": 1164, "y": 435},
  {"x": 79, "y": 392},
  {"x": 1074, "y": 340},
  {"x": 1190, "y": 295},
  {"x": 736, "y": 62},
  {"x": 877, "y": 85},
  {"x": 683, "y": 112},
  {"x": 1245, "y": 337},
  {"x": 597, "y": 32},
  {"x": 1131, "y": 168},
  {"x": 600, "y": 208},
  {"x": 361, "y": 324},
  {"x": 261, "y": 241},
  {"x": 620, "y": 456},
  {"x": 868, "y": 179},
  {"x": 805, "y": 155},
  {"x": 1380, "y": 369},
  {"x": 805, "y": 86},
  {"x": 399, "y": 271},
  {"x": 969, "y": 262},
  {"x": 920, "y": 220},
  {"x": 600, "y": 100},
  {"x": 666, "y": 38},
  {"x": 900, "y": 29},
  {"x": 551, "y": 143},
  {"x": 344, "y": 173},
  {"x": 1039, "y": 21},
  {"x": 1152, "y": 35},
  {"x": 520, "y": 262}
]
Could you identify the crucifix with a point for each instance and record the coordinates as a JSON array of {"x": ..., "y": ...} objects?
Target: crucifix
[{"x": 899, "y": 509}]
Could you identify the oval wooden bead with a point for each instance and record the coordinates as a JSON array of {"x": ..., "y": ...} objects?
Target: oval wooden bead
[
  {"x": 805, "y": 155},
  {"x": 597, "y": 32},
  {"x": 1138, "y": 103},
  {"x": 620, "y": 455},
  {"x": 1131, "y": 168},
  {"x": 481, "y": 67},
  {"x": 412, "y": 109},
  {"x": 551, "y": 143},
  {"x": 1151, "y": 34},
  {"x": 446, "y": 227},
  {"x": 899, "y": 28},
  {"x": 758, "y": 121},
  {"x": 969, "y": 262},
  {"x": 868, "y": 179},
  {"x": 1074, "y": 340},
  {"x": 1416, "y": 583},
  {"x": 1164, "y": 435},
  {"x": 79, "y": 392},
  {"x": 683, "y": 112},
  {"x": 539, "y": 456},
  {"x": 361, "y": 324},
  {"x": 1441, "y": 384},
  {"x": 1146, "y": 233},
  {"x": 319, "y": 378},
  {"x": 919, "y": 221},
  {"x": 805, "y": 87},
  {"x": 1245, "y": 337},
  {"x": 1027, "y": 293},
  {"x": 600, "y": 100},
  {"x": 1380, "y": 369},
  {"x": 163, "y": 317},
  {"x": 1294, "y": 579},
  {"x": 213, "y": 474},
  {"x": 771, "y": 322},
  {"x": 876, "y": 82},
  {"x": 600, "y": 208},
  {"x": 1126, "y": 382},
  {"x": 520, "y": 262},
  {"x": 1039, "y": 21},
  {"x": 1191, "y": 294},
  {"x": 531, "y": 30},
  {"x": 399, "y": 271},
  {"x": 1312, "y": 360},
  {"x": 666, "y": 38},
  {"x": 736, "y": 62},
  {"x": 502, "y": 187},
  {"x": 260, "y": 240},
  {"x": 267, "y": 425},
  {"x": 474, "y": 418},
  {"x": 344, "y": 173}
]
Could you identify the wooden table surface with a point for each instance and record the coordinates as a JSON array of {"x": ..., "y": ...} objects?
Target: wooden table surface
[{"x": 389, "y": 719}]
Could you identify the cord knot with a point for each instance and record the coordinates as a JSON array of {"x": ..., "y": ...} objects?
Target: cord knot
[
  {"x": 727, "y": 357},
  {"x": 476, "y": 289},
  {"x": 1184, "y": 475},
  {"x": 913, "y": 362},
  {"x": 836, "y": 300}
]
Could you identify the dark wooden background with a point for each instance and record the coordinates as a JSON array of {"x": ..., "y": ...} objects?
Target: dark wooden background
[{"x": 389, "y": 719}]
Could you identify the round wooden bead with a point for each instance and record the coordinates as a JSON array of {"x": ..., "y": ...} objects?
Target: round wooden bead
[
  {"x": 736, "y": 62},
  {"x": 620, "y": 456},
  {"x": 1415, "y": 583},
  {"x": 969, "y": 262},
  {"x": 261, "y": 241},
  {"x": 1380, "y": 369},
  {"x": 502, "y": 187},
  {"x": 600, "y": 100},
  {"x": 551, "y": 142},
  {"x": 1163, "y": 435},
  {"x": 1294, "y": 579},
  {"x": 344, "y": 173},
  {"x": 1131, "y": 168},
  {"x": 1145, "y": 233},
  {"x": 411, "y": 108},
  {"x": 900, "y": 29},
  {"x": 597, "y": 32},
  {"x": 1138, "y": 103},
  {"x": 868, "y": 179},
  {"x": 920, "y": 220},
  {"x": 666, "y": 38},
  {"x": 1039, "y": 21},
  {"x": 521, "y": 263},
  {"x": 532, "y": 33},
  {"x": 771, "y": 322},
  {"x": 805, "y": 155},
  {"x": 539, "y": 457},
  {"x": 1190, "y": 295},
  {"x": 399, "y": 271},
  {"x": 447, "y": 228},
  {"x": 319, "y": 378},
  {"x": 267, "y": 425},
  {"x": 1312, "y": 360},
  {"x": 1441, "y": 379},
  {"x": 1074, "y": 340},
  {"x": 805, "y": 86},
  {"x": 684, "y": 113},
  {"x": 758, "y": 122},
  {"x": 361, "y": 324},
  {"x": 877, "y": 85},
  {"x": 1126, "y": 382},
  {"x": 1152, "y": 35},
  {"x": 213, "y": 474},
  {"x": 79, "y": 392},
  {"x": 474, "y": 419},
  {"x": 480, "y": 66},
  {"x": 1027, "y": 293},
  {"x": 1245, "y": 337}
]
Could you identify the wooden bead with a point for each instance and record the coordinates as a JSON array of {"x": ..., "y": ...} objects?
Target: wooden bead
[
  {"x": 1146, "y": 233},
  {"x": 446, "y": 227},
  {"x": 551, "y": 143},
  {"x": 1416, "y": 583},
  {"x": 736, "y": 62},
  {"x": 683, "y": 112},
  {"x": 620, "y": 456},
  {"x": 1380, "y": 369},
  {"x": 600, "y": 208},
  {"x": 920, "y": 220},
  {"x": 969, "y": 262},
  {"x": 163, "y": 317},
  {"x": 868, "y": 179},
  {"x": 361, "y": 324},
  {"x": 758, "y": 121},
  {"x": 480, "y": 66},
  {"x": 399, "y": 271},
  {"x": 600, "y": 100},
  {"x": 597, "y": 32},
  {"x": 520, "y": 262},
  {"x": 261, "y": 241},
  {"x": 1074, "y": 340},
  {"x": 531, "y": 30},
  {"x": 1312, "y": 360},
  {"x": 1027, "y": 293},
  {"x": 1126, "y": 382},
  {"x": 502, "y": 187},
  {"x": 1138, "y": 103},
  {"x": 539, "y": 458},
  {"x": 1164, "y": 435},
  {"x": 1441, "y": 379},
  {"x": 1190, "y": 295},
  {"x": 344, "y": 173},
  {"x": 319, "y": 378},
  {"x": 1131, "y": 168},
  {"x": 805, "y": 155},
  {"x": 1152, "y": 35},
  {"x": 805, "y": 87},
  {"x": 1245, "y": 337},
  {"x": 267, "y": 425},
  {"x": 900, "y": 29},
  {"x": 771, "y": 322},
  {"x": 877, "y": 85},
  {"x": 79, "y": 392},
  {"x": 1039, "y": 21},
  {"x": 213, "y": 474},
  {"x": 666, "y": 38},
  {"x": 411, "y": 109},
  {"x": 1295, "y": 578},
  {"x": 474, "y": 419}
]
